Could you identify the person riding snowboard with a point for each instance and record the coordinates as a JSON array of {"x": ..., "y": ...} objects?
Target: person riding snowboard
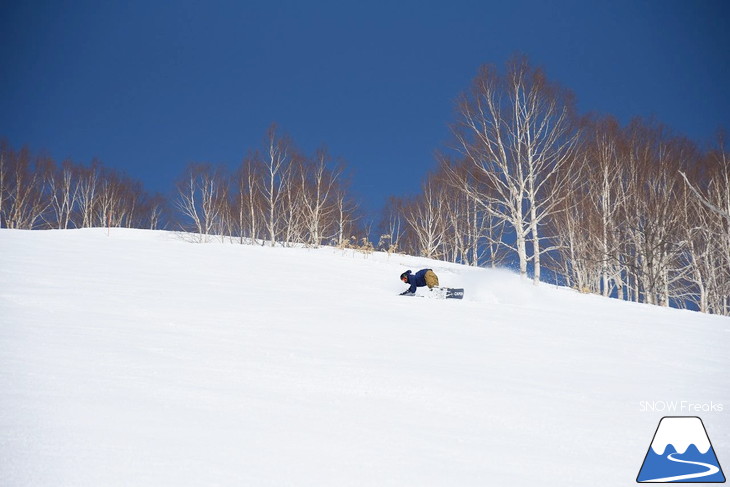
[{"x": 424, "y": 277}]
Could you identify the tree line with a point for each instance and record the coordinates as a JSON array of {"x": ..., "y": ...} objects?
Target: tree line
[
  {"x": 632, "y": 212},
  {"x": 36, "y": 192},
  {"x": 277, "y": 195}
]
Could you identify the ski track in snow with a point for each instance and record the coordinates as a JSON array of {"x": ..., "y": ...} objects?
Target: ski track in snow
[{"x": 132, "y": 357}]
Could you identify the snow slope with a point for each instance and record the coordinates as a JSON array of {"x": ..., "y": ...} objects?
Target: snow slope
[{"x": 135, "y": 358}]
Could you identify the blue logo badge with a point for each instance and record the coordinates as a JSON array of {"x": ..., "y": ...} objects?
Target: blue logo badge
[{"x": 681, "y": 452}]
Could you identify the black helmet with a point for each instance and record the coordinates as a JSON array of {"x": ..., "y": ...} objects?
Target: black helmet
[{"x": 405, "y": 275}]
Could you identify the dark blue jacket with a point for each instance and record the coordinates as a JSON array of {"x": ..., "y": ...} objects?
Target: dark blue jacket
[{"x": 417, "y": 280}]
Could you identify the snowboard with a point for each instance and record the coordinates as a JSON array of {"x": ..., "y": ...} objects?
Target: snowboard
[
  {"x": 441, "y": 293},
  {"x": 453, "y": 292}
]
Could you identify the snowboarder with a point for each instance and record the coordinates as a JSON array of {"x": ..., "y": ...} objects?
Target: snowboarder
[{"x": 424, "y": 277}]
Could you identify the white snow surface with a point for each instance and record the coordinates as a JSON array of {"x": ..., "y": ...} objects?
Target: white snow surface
[{"x": 134, "y": 358}]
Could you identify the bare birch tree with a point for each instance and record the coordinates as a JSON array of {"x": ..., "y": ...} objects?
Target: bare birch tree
[
  {"x": 276, "y": 163},
  {"x": 63, "y": 189},
  {"x": 22, "y": 201},
  {"x": 248, "y": 195},
  {"x": 517, "y": 130},
  {"x": 712, "y": 194},
  {"x": 202, "y": 193},
  {"x": 319, "y": 184},
  {"x": 425, "y": 217}
]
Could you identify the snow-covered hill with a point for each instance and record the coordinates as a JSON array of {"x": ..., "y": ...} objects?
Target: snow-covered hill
[{"x": 135, "y": 358}]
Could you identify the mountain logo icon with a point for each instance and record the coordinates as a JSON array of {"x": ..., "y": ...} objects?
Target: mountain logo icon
[{"x": 680, "y": 452}]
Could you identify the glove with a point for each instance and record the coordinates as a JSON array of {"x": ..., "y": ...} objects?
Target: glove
[{"x": 407, "y": 293}]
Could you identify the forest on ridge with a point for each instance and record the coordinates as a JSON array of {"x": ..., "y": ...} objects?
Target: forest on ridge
[{"x": 632, "y": 212}]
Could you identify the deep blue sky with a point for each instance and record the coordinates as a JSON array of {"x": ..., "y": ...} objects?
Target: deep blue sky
[{"x": 149, "y": 86}]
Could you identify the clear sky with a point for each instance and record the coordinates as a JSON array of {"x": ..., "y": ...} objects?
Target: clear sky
[{"x": 149, "y": 86}]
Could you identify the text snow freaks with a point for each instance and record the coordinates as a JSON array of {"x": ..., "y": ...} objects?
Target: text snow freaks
[{"x": 680, "y": 407}]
